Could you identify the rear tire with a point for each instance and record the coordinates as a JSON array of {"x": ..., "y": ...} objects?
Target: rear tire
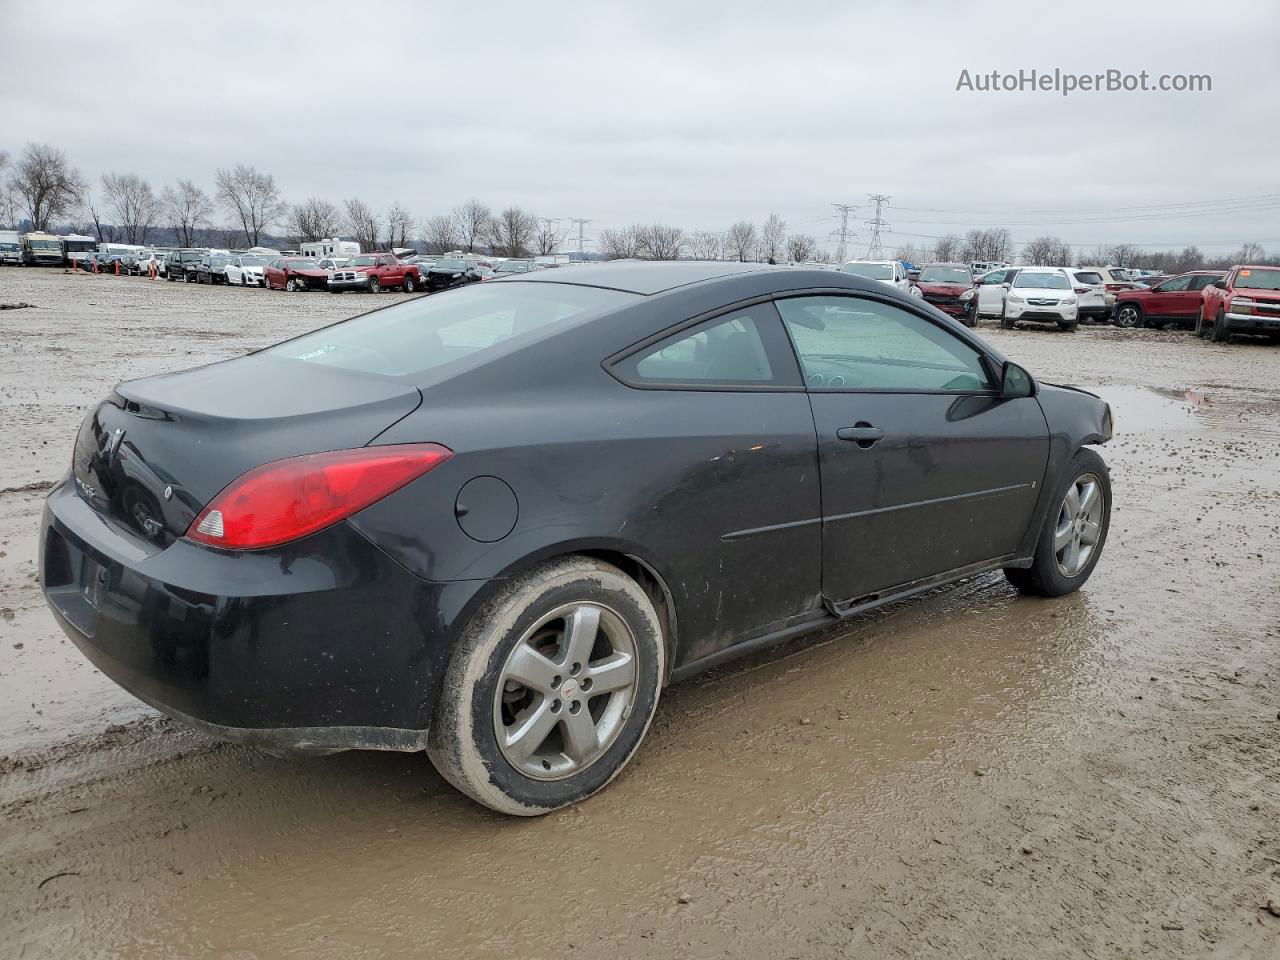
[
  {"x": 1047, "y": 577},
  {"x": 480, "y": 703}
]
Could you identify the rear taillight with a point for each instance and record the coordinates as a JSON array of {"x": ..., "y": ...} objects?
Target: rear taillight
[
  {"x": 287, "y": 499},
  {"x": 1081, "y": 289}
]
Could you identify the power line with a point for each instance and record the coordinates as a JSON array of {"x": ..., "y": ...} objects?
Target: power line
[
  {"x": 581, "y": 222},
  {"x": 845, "y": 209},
  {"x": 1258, "y": 198},
  {"x": 876, "y": 223}
]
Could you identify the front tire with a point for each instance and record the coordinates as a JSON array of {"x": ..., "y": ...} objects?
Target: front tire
[
  {"x": 408, "y": 284},
  {"x": 1005, "y": 322},
  {"x": 1074, "y": 531},
  {"x": 291, "y": 285},
  {"x": 551, "y": 688},
  {"x": 1219, "y": 333},
  {"x": 374, "y": 286},
  {"x": 1068, "y": 326}
]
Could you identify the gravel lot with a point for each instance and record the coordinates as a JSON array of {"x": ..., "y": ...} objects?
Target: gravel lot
[{"x": 968, "y": 774}]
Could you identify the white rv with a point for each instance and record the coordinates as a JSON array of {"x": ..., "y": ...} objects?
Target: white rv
[
  {"x": 10, "y": 246},
  {"x": 333, "y": 247}
]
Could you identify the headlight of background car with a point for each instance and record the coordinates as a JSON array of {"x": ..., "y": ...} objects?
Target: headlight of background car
[
  {"x": 968, "y": 294},
  {"x": 1241, "y": 306},
  {"x": 1014, "y": 298},
  {"x": 1069, "y": 302}
]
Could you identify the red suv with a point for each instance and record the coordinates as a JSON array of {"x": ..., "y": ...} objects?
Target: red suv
[
  {"x": 1247, "y": 301},
  {"x": 1171, "y": 303}
]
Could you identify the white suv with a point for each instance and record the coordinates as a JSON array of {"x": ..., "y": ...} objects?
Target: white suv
[
  {"x": 889, "y": 272},
  {"x": 1096, "y": 301},
  {"x": 1041, "y": 295}
]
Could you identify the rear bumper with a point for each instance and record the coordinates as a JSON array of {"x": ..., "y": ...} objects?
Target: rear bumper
[
  {"x": 1252, "y": 323},
  {"x": 326, "y": 645}
]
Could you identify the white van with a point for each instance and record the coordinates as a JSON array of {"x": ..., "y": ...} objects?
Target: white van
[{"x": 10, "y": 247}]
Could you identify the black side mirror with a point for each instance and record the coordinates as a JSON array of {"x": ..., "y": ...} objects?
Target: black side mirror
[
  {"x": 1221, "y": 284},
  {"x": 1016, "y": 382}
]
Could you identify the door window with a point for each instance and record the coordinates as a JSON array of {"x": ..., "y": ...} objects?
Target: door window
[
  {"x": 726, "y": 350},
  {"x": 1201, "y": 281},
  {"x": 1176, "y": 285},
  {"x": 848, "y": 343}
]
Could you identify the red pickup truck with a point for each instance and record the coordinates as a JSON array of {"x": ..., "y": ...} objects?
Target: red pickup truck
[
  {"x": 374, "y": 272},
  {"x": 1246, "y": 301}
]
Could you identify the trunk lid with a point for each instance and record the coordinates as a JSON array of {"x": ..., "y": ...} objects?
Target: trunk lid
[{"x": 152, "y": 454}]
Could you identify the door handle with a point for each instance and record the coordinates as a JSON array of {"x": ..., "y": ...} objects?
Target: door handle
[{"x": 861, "y": 433}]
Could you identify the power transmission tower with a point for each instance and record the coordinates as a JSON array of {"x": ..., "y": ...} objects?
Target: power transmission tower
[
  {"x": 843, "y": 233},
  {"x": 581, "y": 222},
  {"x": 876, "y": 223}
]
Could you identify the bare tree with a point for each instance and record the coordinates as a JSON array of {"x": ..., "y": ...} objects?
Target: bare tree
[
  {"x": 742, "y": 240},
  {"x": 362, "y": 223},
  {"x": 400, "y": 225},
  {"x": 706, "y": 245},
  {"x": 472, "y": 222},
  {"x": 188, "y": 209},
  {"x": 9, "y": 206},
  {"x": 47, "y": 187},
  {"x": 992, "y": 244},
  {"x": 946, "y": 249},
  {"x": 252, "y": 197},
  {"x": 623, "y": 244},
  {"x": 132, "y": 204},
  {"x": 1046, "y": 251},
  {"x": 313, "y": 220},
  {"x": 440, "y": 234},
  {"x": 801, "y": 248},
  {"x": 1251, "y": 252},
  {"x": 512, "y": 232},
  {"x": 1122, "y": 254},
  {"x": 658, "y": 241},
  {"x": 1189, "y": 259},
  {"x": 549, "y": 236},
  {"x": 92, "y": 210},
  {"x": 773, "y": 235}
]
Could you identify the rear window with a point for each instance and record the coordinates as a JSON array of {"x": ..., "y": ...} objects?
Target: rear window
[
  {"x": 1084, "y": 276},
  {"x": 419, "y": 335}
]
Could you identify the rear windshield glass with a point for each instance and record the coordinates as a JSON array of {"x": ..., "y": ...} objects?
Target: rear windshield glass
[
  {"x": 1255, "y": 279},
  {"x": 419, "y": 335},
  {"x": 871, "y": 271},
  {"x": 1084, "y": 276}
]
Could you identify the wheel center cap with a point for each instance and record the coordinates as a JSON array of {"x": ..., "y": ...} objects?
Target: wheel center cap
[{"x": 569, "y": 689}]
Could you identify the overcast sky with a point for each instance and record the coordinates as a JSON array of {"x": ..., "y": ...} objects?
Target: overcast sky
[{"x": 692, "y": 113}]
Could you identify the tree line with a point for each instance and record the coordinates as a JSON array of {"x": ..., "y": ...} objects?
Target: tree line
[{"x": 42, "y": 188}]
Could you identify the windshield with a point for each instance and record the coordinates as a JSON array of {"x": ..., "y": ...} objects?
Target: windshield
[
  {"x": 43, "y": 244},
  {"x": 451, "y": 265},
  {"x": 8, "y": 246},
  {"x": 303, "y": 264},
  {"x": 216, "y": 262},
  {"x": 871, "y": 271},
  {"x": 945, "y": 275},
  {"x": 1042, "y": 281},
  {"x": 419, "y": 335},
  {"x": 1119, "y": 274},
  {"x": 1255, "y": 279},
  {"x": 362, "y": 261}
]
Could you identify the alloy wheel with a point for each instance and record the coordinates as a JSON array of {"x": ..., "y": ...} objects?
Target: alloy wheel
[
  {"x": 1079, "y": 525},
  {"x": 565, "y": 691},
  {"x": 1127, "y": 317}
]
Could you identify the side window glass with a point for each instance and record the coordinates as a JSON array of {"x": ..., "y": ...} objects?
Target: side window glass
[
  {"x": 726, "y": 350},
  {"x": 848, "y": 343},
  {"x": 1176, "y": 285}
]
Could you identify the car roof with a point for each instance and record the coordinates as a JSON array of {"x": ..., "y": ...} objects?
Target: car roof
[{"x": 646, "y": 277}]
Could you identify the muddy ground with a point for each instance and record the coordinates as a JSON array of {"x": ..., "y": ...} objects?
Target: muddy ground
[{"x": 969, "y": 774}]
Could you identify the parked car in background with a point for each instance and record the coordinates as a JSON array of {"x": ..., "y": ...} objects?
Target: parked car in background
[
  {"x": 987, "y": 297},
  {"x": 1114, "y": 278},
  {"x": 889, "y": 272},
  {"x": 1095, "y": 301},
  {"x": 509, "y": 268},
  {"x": 450, "y": 272},
  {"x": 980, "y": 267},
  {"x": 1041, "y": 295},
  {"x": 294, "y": 274},
  {"x": 10, "y": 247},
  {"x": 144, "y": 262},
  {"x": 1246, "y": 300},
  {"x": 246, "y": 269},
  {"x": 510, "y": 587},
  {"x": 212, "y": 269},
  {"x": 374, "y": 272},
  {"x": 1151, "y": 279},
  {"x": 181, "y": 264},
  {"x": 942, "y": 285},
  {"x": 330, "y": 264},
  {"x": 1173, "y": 303}
]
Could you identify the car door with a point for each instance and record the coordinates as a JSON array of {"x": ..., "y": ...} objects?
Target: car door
[
  {"x": 991, "y": 293},
  {"x": 234, "y": 270},
  {"x": 740, "y": 530},
  {"x": 1195, "y": 293},
  {"x": 925, "y": 468},
  {"x": 1170, "y": 300}
]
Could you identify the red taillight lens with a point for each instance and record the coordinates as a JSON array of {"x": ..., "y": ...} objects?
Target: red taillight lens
[{"x": 287, "y": 499}]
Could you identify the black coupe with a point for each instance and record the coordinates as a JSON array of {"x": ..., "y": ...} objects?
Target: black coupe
[{"x": 494, "y": 523}]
